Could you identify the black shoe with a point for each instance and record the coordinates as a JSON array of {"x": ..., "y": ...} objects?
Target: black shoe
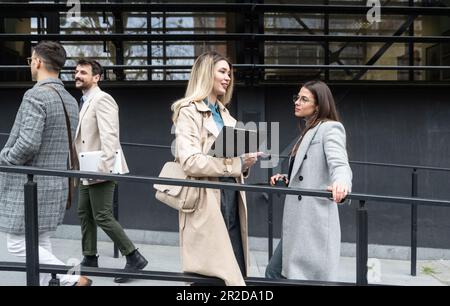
[
  {"x": 90, "y": 261},
  {"x": 135, "y": 262}
]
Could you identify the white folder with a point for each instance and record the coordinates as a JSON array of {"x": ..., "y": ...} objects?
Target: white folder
[{"x": 89, "y": 161}]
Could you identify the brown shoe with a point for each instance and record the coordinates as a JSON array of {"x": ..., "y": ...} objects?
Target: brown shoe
[{"x": 83, "y": 281}]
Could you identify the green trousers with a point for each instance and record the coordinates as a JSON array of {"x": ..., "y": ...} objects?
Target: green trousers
[{"x": 95, "y": 207}]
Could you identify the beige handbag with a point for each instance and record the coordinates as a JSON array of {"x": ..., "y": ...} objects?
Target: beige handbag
[{"x": 183, "y": 198}]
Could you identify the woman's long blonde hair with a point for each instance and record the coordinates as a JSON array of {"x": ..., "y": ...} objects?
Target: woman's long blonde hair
[{"x": 201, "y": 81}]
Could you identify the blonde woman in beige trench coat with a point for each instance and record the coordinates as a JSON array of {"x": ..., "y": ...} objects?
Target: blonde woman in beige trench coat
[{"x": 210, "y": 240}]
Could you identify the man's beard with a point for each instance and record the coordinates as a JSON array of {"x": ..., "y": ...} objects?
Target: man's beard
[{"x": 83, "y": 86}]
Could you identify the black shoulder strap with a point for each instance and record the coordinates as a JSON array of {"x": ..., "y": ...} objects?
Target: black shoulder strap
[{"x": 72, "y": 159}]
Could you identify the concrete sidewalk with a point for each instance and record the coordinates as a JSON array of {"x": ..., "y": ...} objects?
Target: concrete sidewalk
[{"x": 167, "y": 258}]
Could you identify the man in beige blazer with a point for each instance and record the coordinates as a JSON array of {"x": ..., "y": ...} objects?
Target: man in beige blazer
[{"x": 98, "y": 130}]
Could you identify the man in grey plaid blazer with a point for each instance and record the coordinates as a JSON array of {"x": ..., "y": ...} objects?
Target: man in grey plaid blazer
[{"x": 39, "y": 138}]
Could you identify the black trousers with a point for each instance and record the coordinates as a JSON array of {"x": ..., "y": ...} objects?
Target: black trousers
[{"x": 229, "y": 207}]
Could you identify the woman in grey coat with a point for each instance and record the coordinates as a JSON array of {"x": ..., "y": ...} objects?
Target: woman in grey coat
[{"x": 311, "y": 234}]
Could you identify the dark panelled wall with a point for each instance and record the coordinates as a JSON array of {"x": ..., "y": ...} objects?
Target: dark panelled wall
[{"x": 392, "y": 124}]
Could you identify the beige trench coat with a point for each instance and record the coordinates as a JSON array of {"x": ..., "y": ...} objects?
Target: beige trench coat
[{"x": 204, "y": 241}]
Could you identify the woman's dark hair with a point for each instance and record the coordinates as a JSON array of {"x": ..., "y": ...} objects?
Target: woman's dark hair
[
  {"x": 323, "y": 98},
  {"x": 96, "y": 67},
  {"x": 52, "y": 54}
]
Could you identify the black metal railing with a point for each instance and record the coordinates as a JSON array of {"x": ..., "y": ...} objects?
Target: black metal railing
[
  {"x": 414, "y": 193},
  {"x": 31, "y": 226}
]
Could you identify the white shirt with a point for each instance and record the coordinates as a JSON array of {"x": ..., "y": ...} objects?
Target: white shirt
[{"x": 88, "y": 94}]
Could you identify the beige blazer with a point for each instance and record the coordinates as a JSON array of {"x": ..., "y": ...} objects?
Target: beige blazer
[
  {"x": 98, "y": 130},
  {"x": 205, "y": 244}
]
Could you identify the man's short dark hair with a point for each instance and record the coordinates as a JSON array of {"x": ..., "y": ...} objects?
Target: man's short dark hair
[
  {"x": 96, "y": 67},
  {"x": 52, "y": 54}
]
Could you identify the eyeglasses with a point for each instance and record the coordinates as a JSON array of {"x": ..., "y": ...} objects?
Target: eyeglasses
[
  {"x": 303, "y": 99},
  {"x": 30, "y": 59}
]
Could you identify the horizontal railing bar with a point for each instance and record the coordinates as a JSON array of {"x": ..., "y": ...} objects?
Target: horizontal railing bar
[
  {"x": 223, "y": 7},
  {"x": 131, "y": 144},
  {"x": 13, "y": 266},
  {"x": 225, "y": 37},
  {"x": 218, "y": 185},
  {"x": 390, "y": 165},
  {"x": 400, "y": 166},
  {"x": 160, "y": 275},
  {"x": 249, "y": 66}
]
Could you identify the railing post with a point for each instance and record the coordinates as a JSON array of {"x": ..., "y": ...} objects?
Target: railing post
[
  {"x": 361, "y": 244},
  {"x": 31, "y": 231},
  {"x": 414, "y": 177},
  {"x": 116, "y": 214},
  {"x": 270, "y": 219},
  {"x": 54, "y": 281}
]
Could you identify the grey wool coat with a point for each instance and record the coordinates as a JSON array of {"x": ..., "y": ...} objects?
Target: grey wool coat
[
  {"x": 38, "y": 138},
  {"x": 311, "y": 230}
]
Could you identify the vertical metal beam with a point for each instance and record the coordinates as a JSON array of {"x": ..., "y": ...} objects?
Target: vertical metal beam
[
  {"x": 3, "y": 75},
  {"x": 31, "y": 231},
  {"x": 116, "y": 214},
  {"x": 411, "y": 46},
  {"x": 248, "y": 45},
  {"x": 39, "y": 24},
  {"x": 149, "y": 45},
  {"x": 269, "y": 145},
  {"x": 326, "y": 31},
  {"x": 239, "y": 27},
  {"x": 414, "y": 193},
  {"x": 164, "y": 45},
  {"x": 259, "y": 51},
  {"x": 361, "y": 244},
  {"x": 119, "y": 29},
  {"x": 2, "y": 26},
  {"x": 270, "y": 216},
  {"x": 53, "y": 23},
  {"x": 105, "y": 45}
]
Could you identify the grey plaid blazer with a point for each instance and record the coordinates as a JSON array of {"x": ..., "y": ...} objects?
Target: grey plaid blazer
[{"x": 38, "y": 138}]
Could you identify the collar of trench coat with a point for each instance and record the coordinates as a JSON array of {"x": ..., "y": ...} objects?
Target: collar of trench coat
[{"x": 209, "y": 122}]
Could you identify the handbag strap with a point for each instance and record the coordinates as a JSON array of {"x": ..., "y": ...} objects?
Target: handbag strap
[
  {"x": 69, "y": 131},
  {"x": 202, "y": 132}
]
